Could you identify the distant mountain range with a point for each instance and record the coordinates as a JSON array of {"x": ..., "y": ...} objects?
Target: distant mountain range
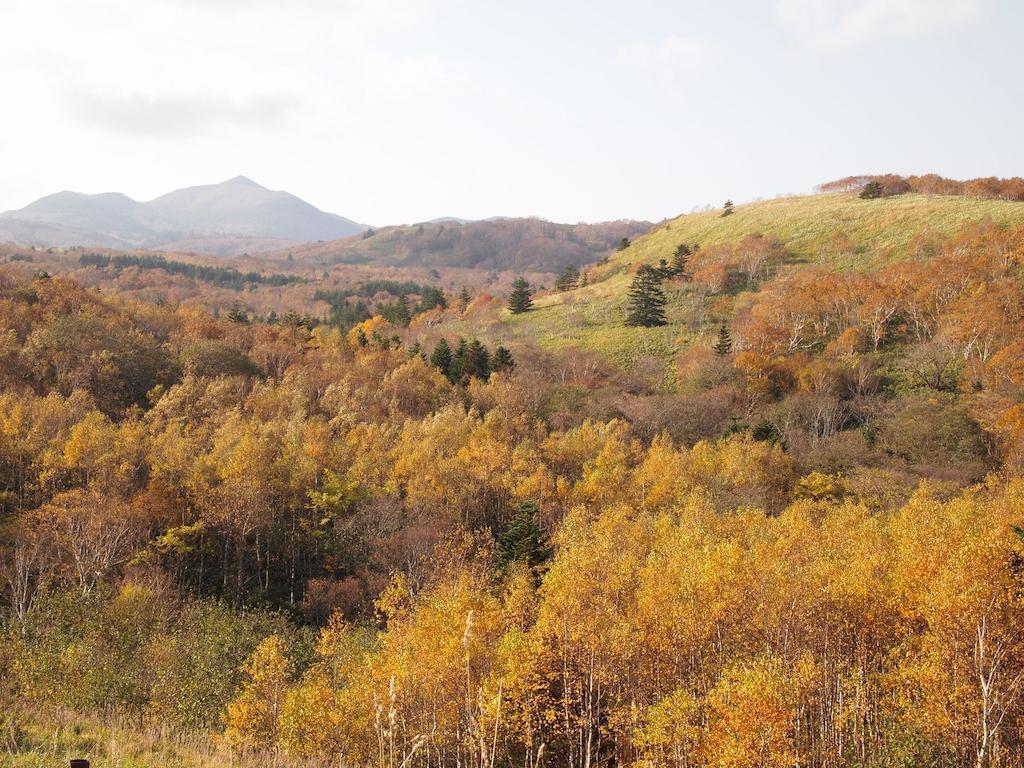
[{"x": 228, "y": 218}]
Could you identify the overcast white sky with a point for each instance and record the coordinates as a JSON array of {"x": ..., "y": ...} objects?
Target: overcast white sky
[{"x": 391, "y": 111}]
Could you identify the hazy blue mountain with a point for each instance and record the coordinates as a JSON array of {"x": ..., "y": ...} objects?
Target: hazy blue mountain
[{"x": 238, "y": 208}]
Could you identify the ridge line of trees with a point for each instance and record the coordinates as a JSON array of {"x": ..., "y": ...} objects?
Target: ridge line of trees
[
  {"x": 222, "y": 277},
  {"x": 890, "y": 184}
]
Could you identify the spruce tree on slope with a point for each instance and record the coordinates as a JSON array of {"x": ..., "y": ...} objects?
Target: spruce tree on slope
[
  {"x": 568, "y": 279},
  {"x": 680, "y": 258},
  {"x": 521, "y": 298},
  {"x": 523, "y": 539},
  {"x": 441, "y": 358},
  {"x": 502, "y": 360},
  {"x": 723, "y": 345},
  {"x": 478, "y": 361},
  {"x": 646, "y": 307}
]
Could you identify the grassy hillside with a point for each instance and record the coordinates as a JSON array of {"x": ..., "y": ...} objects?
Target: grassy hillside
[
  {"x": 808, "y": 226},
  {"x": 838, "y": 229}
]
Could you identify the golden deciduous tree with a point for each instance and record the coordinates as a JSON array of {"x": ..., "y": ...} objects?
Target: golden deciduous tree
[{"x": 252, "y": 717}]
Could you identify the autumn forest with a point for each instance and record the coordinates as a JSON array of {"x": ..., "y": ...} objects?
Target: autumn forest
[{"x": 740, "y": 489}]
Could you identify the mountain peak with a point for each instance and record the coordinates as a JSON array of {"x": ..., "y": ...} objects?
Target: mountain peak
[
  {"x": 241, "y": 181},
  {"x": 238, "y": 207}
]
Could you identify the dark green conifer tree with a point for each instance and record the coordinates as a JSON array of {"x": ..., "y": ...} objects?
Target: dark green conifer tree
[
  {"x": 872, "y": 190},
  {"x": 457, "y": 369},
  {"x": 432, "y": 297},
  {"x": 441, "y": 358},
  {"x": 238, "y": 315},
  {"x": 646, "y": 307},
  {"x": 523, "y": 540},
  {"x": 723, "y": 345},
  {"x": 521, "y": 298},
  {"x": 403, "y": 312},
  {"x": 568, "y": 279},
  {"x": 477, "y": 361},
  {"x": 680, "y": 259},
  {"x": 502, "y": 360},
  {"x": 727, "y": 209}
]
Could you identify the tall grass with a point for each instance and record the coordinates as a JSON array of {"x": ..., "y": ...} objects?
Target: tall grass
[{"x": 49, "y": 738}]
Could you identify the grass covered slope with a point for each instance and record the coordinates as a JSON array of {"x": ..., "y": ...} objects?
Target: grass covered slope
[
  {"x": 809, "y": 226},
  {"x": 838, "y": 229}
]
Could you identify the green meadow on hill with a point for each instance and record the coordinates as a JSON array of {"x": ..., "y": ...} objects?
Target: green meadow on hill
[{"x": 838, "y": 230}]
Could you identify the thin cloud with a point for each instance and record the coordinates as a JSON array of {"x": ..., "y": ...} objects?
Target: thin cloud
[
  {"x": 844, "y": 23},
  {"x": 163, "y": 116}
]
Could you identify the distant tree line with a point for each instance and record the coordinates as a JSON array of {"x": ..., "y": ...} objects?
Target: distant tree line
[
  {"x": 371, "y": 288},
  {"x": 222, "y": 277},
  {"x": 890, "y": 184},
  {"x": 346, "y": 314}
]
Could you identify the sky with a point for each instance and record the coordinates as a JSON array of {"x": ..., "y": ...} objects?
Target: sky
[{"x": 396, "y": 111}]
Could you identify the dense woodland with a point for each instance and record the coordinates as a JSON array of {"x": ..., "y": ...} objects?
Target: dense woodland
[{"x": 332, "y": 546}]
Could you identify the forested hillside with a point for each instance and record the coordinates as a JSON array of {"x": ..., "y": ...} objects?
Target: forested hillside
[
  {"x": 745, "y": 494},
  {"x": 497, "y": 244}
]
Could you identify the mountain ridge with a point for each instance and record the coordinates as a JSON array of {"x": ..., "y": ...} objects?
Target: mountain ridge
[{"x": 236, "y": 208}]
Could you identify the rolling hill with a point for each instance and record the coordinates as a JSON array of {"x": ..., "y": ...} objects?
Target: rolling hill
[
  {"x": 227, "y": 218},
  {"x": 838, "y": 230},
  {"x": 493, "y": 244}
]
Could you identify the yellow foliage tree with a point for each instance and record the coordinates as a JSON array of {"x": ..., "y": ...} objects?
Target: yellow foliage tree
[{"x": 252, "y": 718}]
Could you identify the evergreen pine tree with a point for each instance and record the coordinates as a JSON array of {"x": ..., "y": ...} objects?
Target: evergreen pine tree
[
  {"x": 441, "y": 358},
  {"x": 624, "y": 243},
  {"x": 727, "y": 209},
  {"x": 871, "y": 191},
  {"x": 432, "y": 297},
  {"x": 523, "y": 539},
  {"x": 646, "y": 299},
  {"x": 477, "y": 361},
  {"x": 521, "y": 298},
  {"x": 502, "y": 360},
  {"x": 680, "y": 258},
  {"x": 457, "y": 368},
  {"x": 403, "y": 313},
  {"x": 568, "y": 279},
  {"x": 723, "y": 345},
  {"x": 238, "y": 315},
  {"x": 464, "y": 299}
]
